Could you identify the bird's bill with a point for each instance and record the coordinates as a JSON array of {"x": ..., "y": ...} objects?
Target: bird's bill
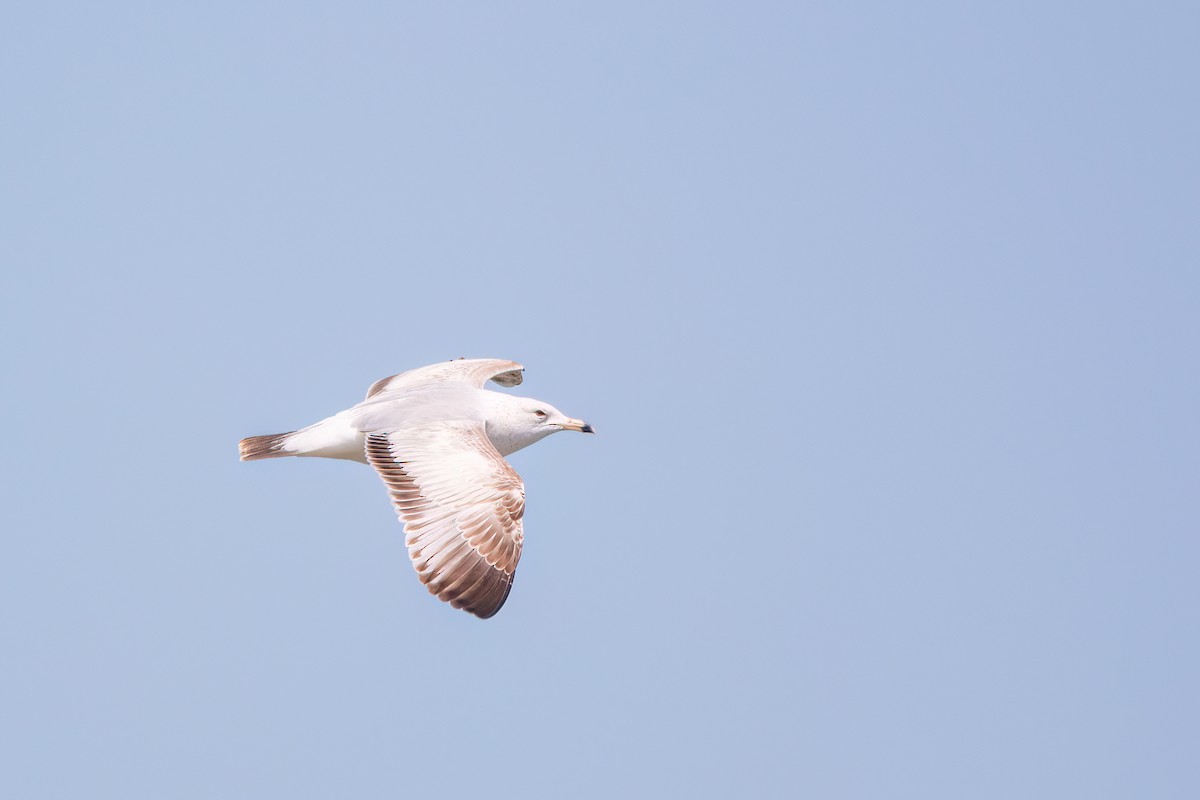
[{"x": 577, "y": 425}]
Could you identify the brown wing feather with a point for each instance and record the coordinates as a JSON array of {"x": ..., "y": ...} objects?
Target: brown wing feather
[{"x": 461, "y": 505}]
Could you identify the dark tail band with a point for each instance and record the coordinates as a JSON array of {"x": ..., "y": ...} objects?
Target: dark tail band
[{"x": 269, "y": 446}]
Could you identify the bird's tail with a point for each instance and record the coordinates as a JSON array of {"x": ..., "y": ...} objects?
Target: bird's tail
[{"x": 269, "y": 446}]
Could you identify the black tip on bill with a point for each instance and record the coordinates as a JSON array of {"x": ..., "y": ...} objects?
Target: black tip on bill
[{"x": 587, "y": 428}]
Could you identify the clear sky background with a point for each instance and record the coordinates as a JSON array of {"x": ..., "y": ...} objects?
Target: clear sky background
[{"x": 887, "y": 317}]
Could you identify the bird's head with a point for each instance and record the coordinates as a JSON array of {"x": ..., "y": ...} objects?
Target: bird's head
[
  {"x": 545, "y": 417},
  {"x": 517, "y": 422}
]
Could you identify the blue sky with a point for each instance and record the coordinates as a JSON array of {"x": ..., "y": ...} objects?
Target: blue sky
[{"x": 886, "y": 317}]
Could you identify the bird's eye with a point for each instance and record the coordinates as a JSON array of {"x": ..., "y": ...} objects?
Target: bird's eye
[{"x": 540, "y": 414}]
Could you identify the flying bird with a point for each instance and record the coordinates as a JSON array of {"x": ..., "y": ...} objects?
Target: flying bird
[{"x": 438, "y": 440}]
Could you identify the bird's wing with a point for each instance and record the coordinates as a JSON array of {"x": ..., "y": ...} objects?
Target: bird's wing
[
  {"x": 476, "y": 371},
  {"x": 461, "y": 505}
]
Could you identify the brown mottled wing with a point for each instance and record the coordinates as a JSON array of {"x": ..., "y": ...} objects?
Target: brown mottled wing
[
  {"x": 476, "y": 371},
  {"x": 461, "y": 505}
]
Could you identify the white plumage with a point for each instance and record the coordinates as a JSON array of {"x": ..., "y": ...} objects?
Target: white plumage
[{"x": 437, "y": 438}]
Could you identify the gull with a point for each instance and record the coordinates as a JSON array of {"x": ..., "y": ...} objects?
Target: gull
[{"x": 438, "y": 439}]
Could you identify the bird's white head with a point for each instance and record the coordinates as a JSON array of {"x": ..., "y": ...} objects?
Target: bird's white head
[{"x": 516, "y": 422}]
